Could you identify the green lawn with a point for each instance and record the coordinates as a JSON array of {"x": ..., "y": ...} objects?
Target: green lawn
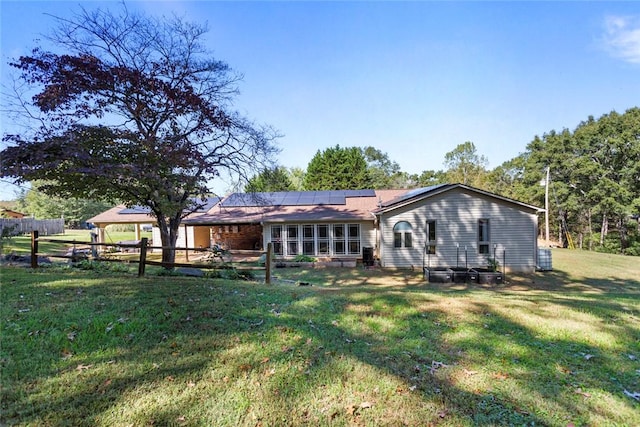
[{"x": 359, "y": 347}]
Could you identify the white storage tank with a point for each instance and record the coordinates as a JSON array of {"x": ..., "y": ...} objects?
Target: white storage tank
[{"x": 544, "y": 259}]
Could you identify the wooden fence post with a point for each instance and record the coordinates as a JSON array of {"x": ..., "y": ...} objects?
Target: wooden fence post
[
  {"x": 94, "y": 243},
  {"x": 267, "y": 264},
  {"x": 143, "y": 256},
  {"x": 186, "y": 243},
  {"x": 34, "y": 249}
]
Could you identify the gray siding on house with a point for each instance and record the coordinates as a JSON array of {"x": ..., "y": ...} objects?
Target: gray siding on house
[{"x": 512, "y": 229}]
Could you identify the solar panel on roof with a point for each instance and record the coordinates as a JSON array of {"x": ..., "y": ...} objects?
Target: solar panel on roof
[
  {"x": 205, "y": 205},
  {"x": 198, "y": 203},
  {"x": 135, "y": 210},
  {"x": 306, "y": 199},
  {"x": 322, "y": 199},
  {"x": 240, "y": 200},
  {"x": 294, "y": 198},
  {"x": 413, "y": 193},
  {"x": 363, "y": 193},
  {"x": 290, "y": 199}
]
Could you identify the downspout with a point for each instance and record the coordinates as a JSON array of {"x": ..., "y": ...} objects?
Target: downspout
[
  {"x": 375, "y": 230},
  {"x": 378, "y": 241}
]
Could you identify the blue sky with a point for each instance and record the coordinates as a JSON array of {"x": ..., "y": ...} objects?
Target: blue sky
[{"x": 413, "y": 79}]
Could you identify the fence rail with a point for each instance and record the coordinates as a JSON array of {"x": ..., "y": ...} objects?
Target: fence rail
[
  {"x": 17, "y": 226},
  {"x": 142, "y": 247}
]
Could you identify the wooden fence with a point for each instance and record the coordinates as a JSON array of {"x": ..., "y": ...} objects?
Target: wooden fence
[
  {"x": 142, "y": 247},
  {"x": 17, "y": 226}
]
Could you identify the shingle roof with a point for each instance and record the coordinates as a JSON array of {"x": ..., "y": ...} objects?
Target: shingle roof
[
  {"x": 425, "y": 192},
  {"x": 122, "y": 214},
  {"x": 259, "y": 207},
  {"x": 297, "y": 206}
]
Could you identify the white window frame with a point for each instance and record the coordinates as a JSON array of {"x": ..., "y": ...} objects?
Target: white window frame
[
  {"x": 484, "y": 236},
  {"x": 309, "y": 240},
  {"x": 323, "y": 241},
  {"x": 292, "y": 244},
  {"x": 338, "y": 239},
  {"x": 431, "y": 236},
  {"x": 276, "y": 242},
  {"x": 354, "y": 240},
  {"x": 402, "y": 230}
]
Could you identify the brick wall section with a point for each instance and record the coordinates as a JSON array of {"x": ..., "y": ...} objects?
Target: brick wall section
[{"x": 238, "y": 236}]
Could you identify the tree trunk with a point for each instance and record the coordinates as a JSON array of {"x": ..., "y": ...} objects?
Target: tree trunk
[
  {"x": 562, "y": 235},
  {"x": 624, "y": 237},
  {"x": 604, "y": 229},
  {"x": 590, "y": 229},
  {"x": 169, "y": 237}
]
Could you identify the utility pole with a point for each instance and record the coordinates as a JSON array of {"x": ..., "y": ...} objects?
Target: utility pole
[{"x": 546, "y": 206}]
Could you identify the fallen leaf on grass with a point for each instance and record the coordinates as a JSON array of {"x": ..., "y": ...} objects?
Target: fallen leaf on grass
[
  {"x": 579, "y": 391},
  {"x": 365, "y": 405},
  {"x": 72, "y": 336},
  {"x": 102, "y": 387},
  {"x": 66, "y": 354},
  {"x": 469, "y": 373},
  {"x": 436, "y": 365},
  {"x": 500, "y": 376},
  {"x": 82, "y": 367}
]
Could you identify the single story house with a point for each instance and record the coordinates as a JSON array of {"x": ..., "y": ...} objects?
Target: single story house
[{"x": 444, "y": 225}]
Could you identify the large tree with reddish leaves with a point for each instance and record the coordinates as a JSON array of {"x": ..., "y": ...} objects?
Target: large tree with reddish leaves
[{"x": 133, "y": 109}]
